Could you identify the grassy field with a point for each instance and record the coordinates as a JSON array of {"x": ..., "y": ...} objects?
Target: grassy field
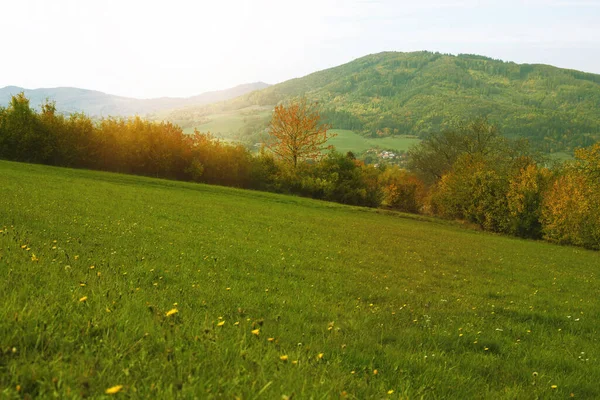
[
  {"x": 349, "y": 141},
  {"x": 226, "y": 125},
  {"x": 160, "y": 289}
]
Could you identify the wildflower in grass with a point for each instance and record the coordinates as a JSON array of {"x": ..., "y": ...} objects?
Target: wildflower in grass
[
  {"x": 256, "y": 332},
  {"x": 295, "y": 362},
  {"x": 486, "y": 349},
  {"x": 320, "y": 356},
  {"x": 18, "y": 386},
  {"x": 375, "y": 372},
  {"x": 236, "y": 323},
  {"x": 92, "y": 267},
  {"x": 84, "y": 298},
  {"x": 391, "y": 391},
  {"x": 221, "y": 323},
  {"x": 271, "y": 339},
  {"x": 114, "y": 390},
  {"x": 34, "y": 258},
  {"x": 283, "y": 357},
  {"x": 535, "y": 374},
  {"x": 76, "y": 257},
  {"x": 24, "y": 246},
  {"x": 172, "y": 312},
  {"x": 82, "y": 284},
  {"x": 554, "y": 387}
]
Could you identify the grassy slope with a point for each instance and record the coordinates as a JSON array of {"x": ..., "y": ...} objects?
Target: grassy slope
[{"x": 439, "y": 311}]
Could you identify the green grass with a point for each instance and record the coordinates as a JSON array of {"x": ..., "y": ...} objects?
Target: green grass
[
  {"x": 349, "y": 141},
  {"x": 438, "y": 310}
]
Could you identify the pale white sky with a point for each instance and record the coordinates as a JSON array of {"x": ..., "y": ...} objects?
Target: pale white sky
[{"x": 147, "y": 48}]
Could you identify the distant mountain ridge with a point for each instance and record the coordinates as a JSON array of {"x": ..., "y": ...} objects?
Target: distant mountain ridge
[
  {"x": 95, "y": 103},
  {"x": 420, "y": 92}
]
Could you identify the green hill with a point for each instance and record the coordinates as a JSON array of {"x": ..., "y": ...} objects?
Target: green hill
[
  {"x": 415, "y": 93},
  {"x": 165, "y": 289}
]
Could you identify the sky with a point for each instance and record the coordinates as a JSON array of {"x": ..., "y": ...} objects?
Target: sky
[{"x": 147, "y": 48}]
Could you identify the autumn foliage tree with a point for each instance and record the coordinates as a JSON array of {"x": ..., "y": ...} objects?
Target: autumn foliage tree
[{"x": 296, "y": 132}]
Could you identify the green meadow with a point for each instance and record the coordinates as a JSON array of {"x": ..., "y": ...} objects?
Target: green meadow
[
  {"x": 161, "y": 289},
  {"x": 346, "y": 140},
  {"x": 227, "y": 124}
]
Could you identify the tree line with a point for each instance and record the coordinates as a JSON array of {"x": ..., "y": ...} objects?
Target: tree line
[
  {"x": 467, "y": 172},
  {"x": 476, "y": 175}
]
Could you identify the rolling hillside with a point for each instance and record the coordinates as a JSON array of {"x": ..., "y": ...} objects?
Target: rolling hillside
[
  {"x": 94, "y": 103},
  {"x": 160, "y": 289},
  {"x": 416, "y": 93}
]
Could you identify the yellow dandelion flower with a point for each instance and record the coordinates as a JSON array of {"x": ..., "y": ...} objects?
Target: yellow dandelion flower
[
  {"x": 236, "y": 323},
  {"x": 76, "y": 257},
  {"x": 554, "y": 387},
  {"x": 295, "y": 362},
  {"x": 34, "y": 258},
  {"x": 82, "y": 284},
  {"x": 352, "y": 372},
  {"x": 92, "y": 267},
  {"x": 24, "y": 246},
  {"x": 320, "y": 356},
  {"x": 391, "y": 391},
  {"x": 172, "y": 312},
  {"x": 221, "y": 323},
  {"x": 375, "y": 372},
  {"x": 486, "y": 349},
  {"x": 271, "y": 339},
  {"x": 256, "y": 332},
  {"x": 84, "y": 298},
  {"x": 114, "y": 389},
  {"x": 283, "y": 357}
]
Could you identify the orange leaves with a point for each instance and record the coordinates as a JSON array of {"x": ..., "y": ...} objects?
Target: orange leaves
[{"x": 296, "y": 132}]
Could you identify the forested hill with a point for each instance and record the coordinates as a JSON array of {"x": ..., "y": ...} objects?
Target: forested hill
[
  {"x": 94, "y": 103},
  {"x": 415, "y": 93}
]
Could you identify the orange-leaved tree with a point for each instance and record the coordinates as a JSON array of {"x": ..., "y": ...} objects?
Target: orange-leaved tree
[{"x": 296, "y": 132}]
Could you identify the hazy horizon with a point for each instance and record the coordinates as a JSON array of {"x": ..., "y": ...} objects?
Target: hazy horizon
[{"x": 149, "y": 49}]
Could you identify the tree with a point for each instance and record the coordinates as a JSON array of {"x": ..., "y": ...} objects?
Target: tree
[
  {"x": 296, "y": 133},
  {"x": 437, "y": 153}
]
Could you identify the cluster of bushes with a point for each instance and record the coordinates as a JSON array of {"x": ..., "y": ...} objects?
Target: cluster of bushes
[
  {"x": 161, "y": 149},
  {"x": 480, "y": 177}
]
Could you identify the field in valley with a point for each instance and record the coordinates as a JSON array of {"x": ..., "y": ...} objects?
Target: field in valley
[
  {"x": 350, "y": 141},
  {"x": 160, "y": 289}
]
